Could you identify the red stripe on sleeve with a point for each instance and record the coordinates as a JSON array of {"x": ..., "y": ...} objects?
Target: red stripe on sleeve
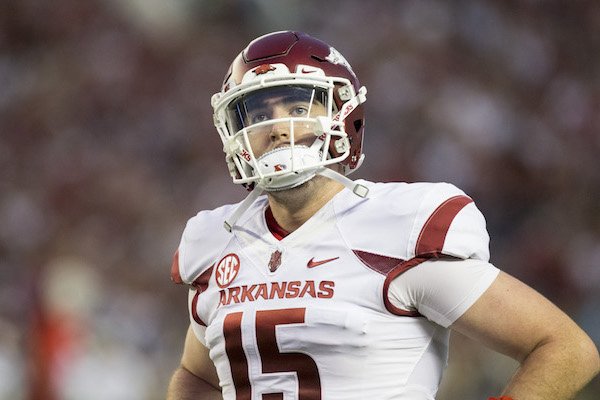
[
  {"x": 175, "y": 275},
  {"x": 400, "y": 269},
  {"x": 201, "y": 284},
  {"x": 433, "y": 234},
  {"x": 194, "y": 309}
]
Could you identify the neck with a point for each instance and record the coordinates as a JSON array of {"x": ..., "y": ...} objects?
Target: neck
[{"x": 293, "y": 207}]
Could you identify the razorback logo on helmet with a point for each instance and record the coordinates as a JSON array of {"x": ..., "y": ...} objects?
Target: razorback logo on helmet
[
  {"x": 227, "y": 270},
  {"x": 279, "y": 167},
  {"x": 263, "y": 69}
]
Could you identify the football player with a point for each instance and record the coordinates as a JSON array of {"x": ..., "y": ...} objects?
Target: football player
[{"x": 320, "y": 287}]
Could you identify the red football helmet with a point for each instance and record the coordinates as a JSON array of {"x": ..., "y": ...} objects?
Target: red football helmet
[{"x": 296, "y": 68}]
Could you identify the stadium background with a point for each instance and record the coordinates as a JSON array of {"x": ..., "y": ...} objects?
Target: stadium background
[{"x": 107, "y": 147}]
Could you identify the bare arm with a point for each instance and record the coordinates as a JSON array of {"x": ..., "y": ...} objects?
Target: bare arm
[
  {"x": 557, "y": 358},
  {"x": 196, "y": 377}
]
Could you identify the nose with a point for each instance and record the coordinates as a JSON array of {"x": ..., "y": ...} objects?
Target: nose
[{"x": 280, "y": 132}]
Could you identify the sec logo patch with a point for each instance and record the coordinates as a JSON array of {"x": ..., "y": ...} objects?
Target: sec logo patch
[{"x": 227, "y": 270}]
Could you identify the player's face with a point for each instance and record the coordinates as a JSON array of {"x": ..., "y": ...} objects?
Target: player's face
[
  {"x": 272, "y": 110},
  {"x": 278, "y": 134}
]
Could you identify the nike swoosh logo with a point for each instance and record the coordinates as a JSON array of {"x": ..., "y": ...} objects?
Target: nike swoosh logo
[{"x": 312, "y": 263}]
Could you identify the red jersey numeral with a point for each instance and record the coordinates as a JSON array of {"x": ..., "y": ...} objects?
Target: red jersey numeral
[
  {"x": 232, "y": 330},
  {"x": 272, "y": 360}
]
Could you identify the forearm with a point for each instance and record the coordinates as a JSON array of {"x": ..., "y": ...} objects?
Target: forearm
[
  {"x": 555, "y": 370},
  {"x": 186, "y": 386}
]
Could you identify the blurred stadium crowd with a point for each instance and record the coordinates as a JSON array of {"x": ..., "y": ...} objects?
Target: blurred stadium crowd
[{"x": 107, "y": 147}]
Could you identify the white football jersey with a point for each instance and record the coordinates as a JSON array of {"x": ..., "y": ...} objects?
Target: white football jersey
[{"x": 326, "y": 313}]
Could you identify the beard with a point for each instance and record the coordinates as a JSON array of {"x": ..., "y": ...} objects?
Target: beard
[{"x": 296, "y": 197}]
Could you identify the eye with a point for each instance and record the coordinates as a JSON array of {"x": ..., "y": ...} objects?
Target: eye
[
  {"x": 258, "y": 117},
  {"x": 299, "y": 111}
]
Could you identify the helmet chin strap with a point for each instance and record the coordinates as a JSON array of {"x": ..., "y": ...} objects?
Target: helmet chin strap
[
  {"x": 247, "y": 202},
  {"x": 356, "y": 188}
]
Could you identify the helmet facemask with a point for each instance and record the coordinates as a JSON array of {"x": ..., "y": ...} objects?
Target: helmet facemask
[{"x": 279, "y": 132}]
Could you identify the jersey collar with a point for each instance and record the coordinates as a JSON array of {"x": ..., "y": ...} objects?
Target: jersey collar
[{"x": 276, "y": 230}]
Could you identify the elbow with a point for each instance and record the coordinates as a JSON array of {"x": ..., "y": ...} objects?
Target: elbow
[
  {"x": 574, "y": 350},
  {"x": 588, "y": 355}
]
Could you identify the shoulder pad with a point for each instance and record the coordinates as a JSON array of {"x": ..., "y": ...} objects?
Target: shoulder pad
[
  {"x": 448, "y": 223},
  {"x": 202, "y": 241}
]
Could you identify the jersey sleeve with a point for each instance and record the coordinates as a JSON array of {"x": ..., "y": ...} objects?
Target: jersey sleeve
[
  {"x": 202, "y": 241},
  {"x": 448, "y": 223},
  {"x": 447, "y": 268},
  {"x": 442, "y": 290},
  {"x": 198, "y": 327}
]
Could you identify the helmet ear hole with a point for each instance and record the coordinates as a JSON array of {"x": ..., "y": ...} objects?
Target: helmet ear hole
[{"x": 358, "y": 124}]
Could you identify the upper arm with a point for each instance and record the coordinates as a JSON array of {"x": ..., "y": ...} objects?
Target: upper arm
[
  {"x": 197, "y": 361},
  {"x": 512, "y": 318},
  {"x": 442, "y": 289}
]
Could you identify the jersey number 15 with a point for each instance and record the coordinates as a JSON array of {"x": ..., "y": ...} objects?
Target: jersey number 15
[{"x": 272, "y": 359}]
